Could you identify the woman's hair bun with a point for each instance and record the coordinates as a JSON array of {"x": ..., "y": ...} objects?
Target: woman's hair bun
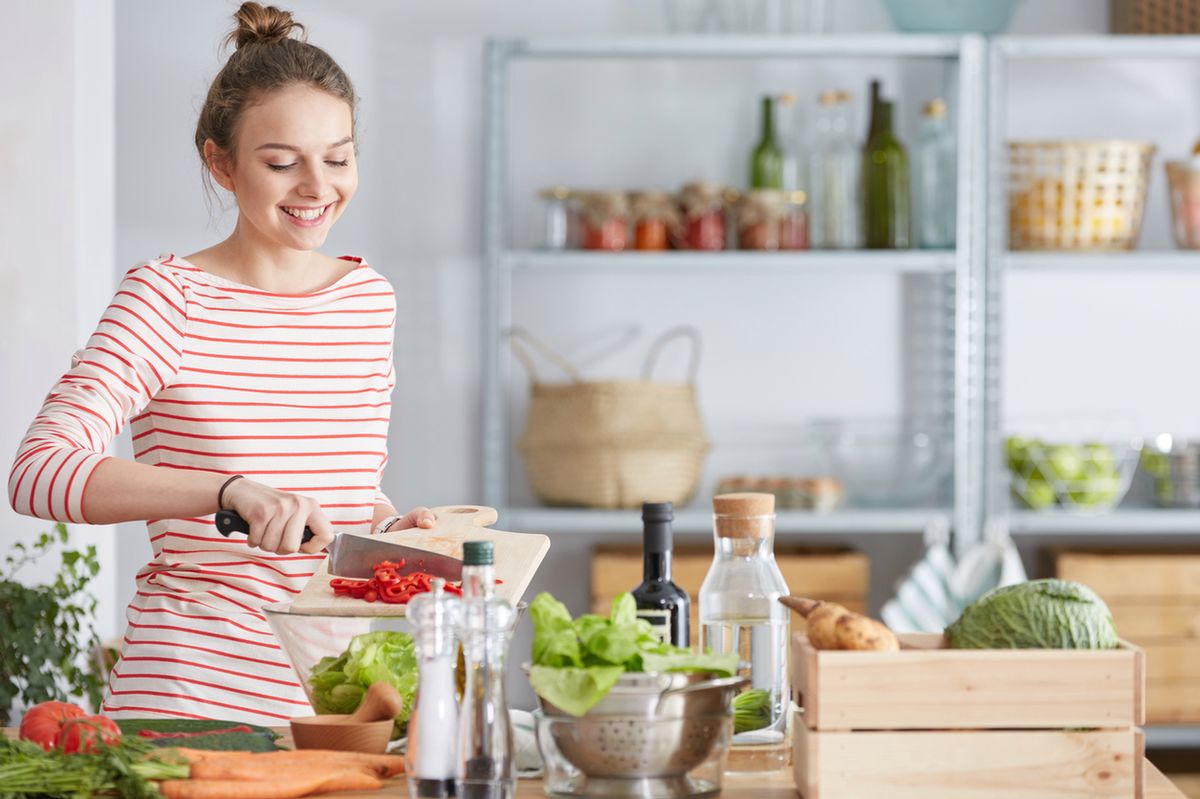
[{"x": 259, "y": 24}]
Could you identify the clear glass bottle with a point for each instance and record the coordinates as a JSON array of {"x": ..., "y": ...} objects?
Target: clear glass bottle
[
  {"x": 935, "y": 179},
  {"x": 556, "y": 218},
  {"x": 431, "y": 758},
  {"x": 485, "y": 736},
  {"x": 740, "y": 612},
  {"x": 834, "y": 162}
]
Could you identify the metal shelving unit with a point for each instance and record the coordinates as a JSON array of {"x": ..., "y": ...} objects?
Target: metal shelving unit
[
  {"x": 1126, "y": 524},
  {"x": 1000, "y": 262},
  {"x": 956, "y": 274}
]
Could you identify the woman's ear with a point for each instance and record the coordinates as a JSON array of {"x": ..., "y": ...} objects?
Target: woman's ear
[{"x": 219, "y": 165}]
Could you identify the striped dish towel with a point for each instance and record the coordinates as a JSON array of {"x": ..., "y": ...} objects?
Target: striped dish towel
[{"x": 938, "y": 586}]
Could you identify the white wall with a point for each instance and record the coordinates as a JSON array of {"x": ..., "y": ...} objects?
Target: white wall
[{"x": 56, "y": 227}]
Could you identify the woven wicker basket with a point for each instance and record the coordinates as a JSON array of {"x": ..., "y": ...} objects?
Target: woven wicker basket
[
  {"x": 612, "y": 443},
  {"x": 1078, "y": 195},
  {"x": 1155, "y": 16}
]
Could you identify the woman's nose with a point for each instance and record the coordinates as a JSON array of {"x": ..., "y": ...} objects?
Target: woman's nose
[{"x": 313, "y": 181}]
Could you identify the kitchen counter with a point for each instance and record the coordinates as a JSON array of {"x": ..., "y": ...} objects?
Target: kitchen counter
[{"x": 777, "y": 786}]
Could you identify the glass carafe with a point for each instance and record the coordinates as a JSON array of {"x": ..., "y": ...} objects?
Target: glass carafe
[
  {"x": 740, "y": 612},
  {"x": 485, "y": 736}
]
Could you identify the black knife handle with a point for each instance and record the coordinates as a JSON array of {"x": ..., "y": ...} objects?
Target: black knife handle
[{"x": 230, "y": 522}]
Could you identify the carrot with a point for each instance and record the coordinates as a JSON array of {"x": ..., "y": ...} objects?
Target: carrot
[
  {"x": 268, "y": 762},
  {"x": 290, "y": 786}
]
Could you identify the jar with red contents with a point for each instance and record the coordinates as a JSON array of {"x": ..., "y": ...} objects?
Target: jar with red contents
[
  {"x": 759, "y": 216},
  {"x": 655, "y": 220},
  {"x": 605, "y": 217},
  {"x": 793, "y": 225},
  {"x": 703, "y": 224}
]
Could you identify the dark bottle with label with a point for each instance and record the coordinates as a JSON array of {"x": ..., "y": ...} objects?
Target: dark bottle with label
[{"x": 660, "y": 601}]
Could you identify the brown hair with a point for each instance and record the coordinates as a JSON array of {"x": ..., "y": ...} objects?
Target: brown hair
[{"x": 267, "y": 59}]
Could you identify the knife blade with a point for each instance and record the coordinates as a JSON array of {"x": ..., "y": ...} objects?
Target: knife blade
[{"x": 355, "y": 556}]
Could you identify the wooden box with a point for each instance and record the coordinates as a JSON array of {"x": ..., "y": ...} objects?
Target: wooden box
[
  {"x": 837, "y": 575},
  {"x": 1155, "y": 601},
  {"x": 932, "y": 722}
]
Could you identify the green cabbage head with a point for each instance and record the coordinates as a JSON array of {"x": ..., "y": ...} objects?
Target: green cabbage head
[{"x": 1039, "y": 614}]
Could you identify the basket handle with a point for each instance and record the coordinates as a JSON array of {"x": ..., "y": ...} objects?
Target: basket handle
[
  {"x": 521, "y": 340},
  {"x": 683, "y": 331}
]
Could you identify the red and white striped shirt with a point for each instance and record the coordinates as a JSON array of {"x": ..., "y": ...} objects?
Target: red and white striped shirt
[{"x": 290, "y": 390}]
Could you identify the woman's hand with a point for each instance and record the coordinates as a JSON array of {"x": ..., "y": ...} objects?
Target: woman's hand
[
  {"x": 277, "y": 518},
  {"x": 419, "y": 516}
]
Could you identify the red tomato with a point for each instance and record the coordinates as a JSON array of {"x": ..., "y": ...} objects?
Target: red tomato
[
  {"x": 42, "y": 723},
  {"x": 81, "y": 734}
]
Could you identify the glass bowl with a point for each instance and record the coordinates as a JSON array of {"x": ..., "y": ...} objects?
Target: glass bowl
[
  {"x": 886, "y": 462},
  {"x": 1087, "y": 477}
]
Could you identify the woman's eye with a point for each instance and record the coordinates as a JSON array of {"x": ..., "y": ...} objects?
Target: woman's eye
[
  {"x": 281, "y": 167},
  {"x": 338, "y": 163}
]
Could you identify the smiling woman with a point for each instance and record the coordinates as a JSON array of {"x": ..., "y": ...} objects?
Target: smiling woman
[{"x": 256, "y": 376}]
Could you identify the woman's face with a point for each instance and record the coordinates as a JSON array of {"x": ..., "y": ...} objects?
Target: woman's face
[{"x": 294, "y": 170}]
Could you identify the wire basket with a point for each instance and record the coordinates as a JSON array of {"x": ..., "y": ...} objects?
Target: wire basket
[
  {"x": 1078, "y": 195},
  {"x": 1089, "y": 477},
  {"x": 1155, "y": 16}
]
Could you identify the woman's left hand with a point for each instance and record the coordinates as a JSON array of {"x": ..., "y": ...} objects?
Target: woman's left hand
[{"x": 419, "y": 516}]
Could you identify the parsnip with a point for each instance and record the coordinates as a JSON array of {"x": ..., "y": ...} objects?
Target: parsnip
[
  {"x": 822, "y": 624},
  {"x": 854, "y": 631}
]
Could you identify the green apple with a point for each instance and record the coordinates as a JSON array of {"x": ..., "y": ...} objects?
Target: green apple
[
  {"x": 1036, "y": 493},
  {"x": 1065, "y": 462},
  {"x": 1017, "y": 453},
  {"x": 1099, "y": 457},
  {"x": 1096, "y": 491}
]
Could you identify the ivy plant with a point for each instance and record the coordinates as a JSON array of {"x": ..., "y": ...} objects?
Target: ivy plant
[{"x": 48, "y": 632}]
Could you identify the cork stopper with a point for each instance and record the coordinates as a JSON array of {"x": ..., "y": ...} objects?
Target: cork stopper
[
  {"x": 831, "y": 97},
  {"x": 934, "y": 109},
  {"x": 744, "y": 515}
]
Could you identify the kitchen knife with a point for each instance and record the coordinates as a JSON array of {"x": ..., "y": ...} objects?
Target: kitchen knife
[{"x": 355, "y": 556}]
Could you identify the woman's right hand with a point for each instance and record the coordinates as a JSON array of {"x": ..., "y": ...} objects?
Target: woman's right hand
[{"x": 277, "y": 518}]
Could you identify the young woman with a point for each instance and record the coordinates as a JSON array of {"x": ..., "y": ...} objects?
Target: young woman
[{"x": 256, "y": 376}]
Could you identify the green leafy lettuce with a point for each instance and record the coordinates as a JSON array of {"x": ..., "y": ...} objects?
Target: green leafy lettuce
[
  {"x": 1039, "y": 614},
  {"x": 339, "y": 683},
  {"x": 577, "y": 661}
]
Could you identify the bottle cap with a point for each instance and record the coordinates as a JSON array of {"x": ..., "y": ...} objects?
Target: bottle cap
[
  {"x": 658, "y": 512},
  {"x": 478, "y": 553},
  {"x": 833, "y": 97},
  {"x": 935, "y": 109},
  {"x": 745, "y": 515}
]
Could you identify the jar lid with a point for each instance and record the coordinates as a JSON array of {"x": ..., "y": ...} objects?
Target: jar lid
[
  {"x": 833, "y": 97},
  {"x": 555, "y": 193},
  {"x": 760, "y": 205},
  {"x": 698, "y": 196},
  {"x": 934, "y": 109},
  {"x": 744, "y": 504}
]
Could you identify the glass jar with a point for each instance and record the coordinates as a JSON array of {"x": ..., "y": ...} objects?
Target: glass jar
[
  {"x": 655, "y": 217},
  {"x": 605, "y": 216},
  {"x": 431, "y": 758},
  {"x": 556, "y": 218},
  {"x": 759, "y": 219},
  {"x": 703, "y": 224},
  {"x": 793, "y": 226},
  {"x": 740, "y": 612}
]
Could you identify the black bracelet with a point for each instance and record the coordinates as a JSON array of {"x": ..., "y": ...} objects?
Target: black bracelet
[{"x": 221, "y": 493}]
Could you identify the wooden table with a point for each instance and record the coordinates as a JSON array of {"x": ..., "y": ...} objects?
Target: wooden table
[{"x": 777, "y": 786}]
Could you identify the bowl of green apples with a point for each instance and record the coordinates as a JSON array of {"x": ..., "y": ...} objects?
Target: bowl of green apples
[{"x": 1087, "y": 477}]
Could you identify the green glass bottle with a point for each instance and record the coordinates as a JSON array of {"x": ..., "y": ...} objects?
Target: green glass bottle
[
  {"x": 887, "y": 222},
  {"x": 766, "y": 161}
]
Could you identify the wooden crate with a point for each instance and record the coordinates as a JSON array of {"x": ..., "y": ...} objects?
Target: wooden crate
[
  {"x": 837, "y": 575},
  {"x": 932, "y": 722},
  {"x": 1155, "y": 600}
]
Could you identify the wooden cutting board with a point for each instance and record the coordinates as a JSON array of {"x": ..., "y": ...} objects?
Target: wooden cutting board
[{"x": 518, "y": 556}]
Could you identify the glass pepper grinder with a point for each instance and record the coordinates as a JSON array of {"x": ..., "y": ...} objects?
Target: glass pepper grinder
[
  {"x": 432, "y": 756},
  {"x": 485, "y": 736}
]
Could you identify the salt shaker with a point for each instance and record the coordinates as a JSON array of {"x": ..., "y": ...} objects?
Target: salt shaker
[{"x": 432, "y": 755}]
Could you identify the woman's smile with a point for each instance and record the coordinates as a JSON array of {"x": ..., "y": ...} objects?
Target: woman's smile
[{"x": 306, "y": 216}]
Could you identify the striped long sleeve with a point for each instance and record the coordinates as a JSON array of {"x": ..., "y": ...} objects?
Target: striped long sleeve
[
  {"x": 291, "y": 390},
  {"x": 134, "y": 354}
]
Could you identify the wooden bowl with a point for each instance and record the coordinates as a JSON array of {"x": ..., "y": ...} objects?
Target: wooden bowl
[{"x": 337, "y": 732}]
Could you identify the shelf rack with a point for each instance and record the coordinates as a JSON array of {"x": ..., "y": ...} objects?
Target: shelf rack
[
  {"x": 959, "y": 271},
  {"x": 1000, "y": 262}
]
